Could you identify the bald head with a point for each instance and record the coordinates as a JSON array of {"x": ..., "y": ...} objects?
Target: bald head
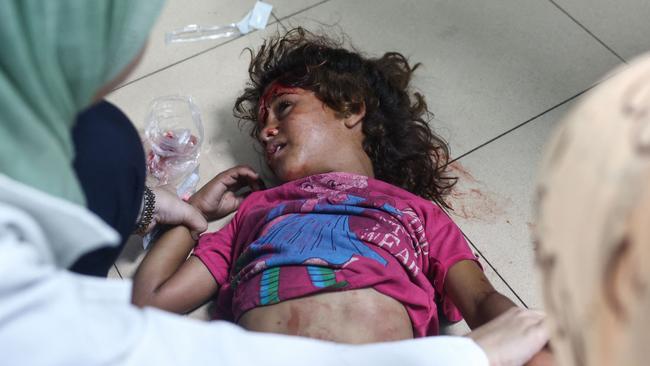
[{"x": 593, "y": 220}]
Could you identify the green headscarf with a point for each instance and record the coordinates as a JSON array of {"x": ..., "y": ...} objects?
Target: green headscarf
[{"x": 55, "y": 56}]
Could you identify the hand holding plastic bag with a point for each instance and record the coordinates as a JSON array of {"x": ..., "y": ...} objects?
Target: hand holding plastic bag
[{"x": 172, "y": 140}]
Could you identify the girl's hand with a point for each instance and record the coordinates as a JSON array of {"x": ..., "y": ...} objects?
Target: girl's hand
[
  {"x": 219, "y": 197},
  {"x": 512, "y": 338}
]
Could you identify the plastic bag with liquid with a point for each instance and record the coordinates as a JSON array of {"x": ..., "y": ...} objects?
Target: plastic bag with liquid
[{"x": 172, "y": 140}]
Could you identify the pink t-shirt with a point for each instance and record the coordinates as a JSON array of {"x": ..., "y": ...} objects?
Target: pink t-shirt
[{"x": 336, "y": 232}]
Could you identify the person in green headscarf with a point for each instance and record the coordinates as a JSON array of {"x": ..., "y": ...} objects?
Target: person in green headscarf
[{"x": 57, "y": 58}]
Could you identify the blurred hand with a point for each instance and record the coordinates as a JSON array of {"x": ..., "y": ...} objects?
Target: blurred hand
[
  {"x": 542, "y": 358},
  {"x": 512, "y": 338},
  {"x": 171, "y": 210},
  {"x": 219, "y": 197}
]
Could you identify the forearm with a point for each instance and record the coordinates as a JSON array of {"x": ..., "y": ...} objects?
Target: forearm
[
  {"x": 491, "y": 305},
  {"x": 474, "y": 295},
  {"x": 161, "y": 262}
]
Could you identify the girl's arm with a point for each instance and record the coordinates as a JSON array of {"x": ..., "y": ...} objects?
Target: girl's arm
[
  {"x": 474, "y": 295},
  {"x": 480, "y": 303},
  {"x": 168, "y": 280}
]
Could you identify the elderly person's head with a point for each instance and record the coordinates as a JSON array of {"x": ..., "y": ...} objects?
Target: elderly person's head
[
  {"x": 593, "y": 227},
  {"x": 57, "y": 57}
]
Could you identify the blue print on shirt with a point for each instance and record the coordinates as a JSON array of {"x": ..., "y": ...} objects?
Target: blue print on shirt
[
  {"x": 302, "y": 237},
  {"x": 320, "y": 237}
]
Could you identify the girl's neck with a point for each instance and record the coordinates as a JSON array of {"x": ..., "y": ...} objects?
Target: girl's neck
[
  {"x": 358, "y": 163},
  {"x": 358, "y": 169},
  {"x": 364, "y": 167}
]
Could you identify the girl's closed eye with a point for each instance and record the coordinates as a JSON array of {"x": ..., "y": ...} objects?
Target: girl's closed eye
[{"x": 282, "y": 107}]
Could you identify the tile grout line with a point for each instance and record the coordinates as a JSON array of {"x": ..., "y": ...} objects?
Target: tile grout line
[
  {"x": 277, "y": 20},
  {"x": 180, "y": 61},
  {"x": 494, "y": 269},
  {"x": 118, "y": 271},
  {"x": 587, "y": 30},
  {"x": 302, "y": 10},
  {"x": 604, "y": 79},
  {"x": 471, "y": 242},
  {"x": 521, "y": 125}
]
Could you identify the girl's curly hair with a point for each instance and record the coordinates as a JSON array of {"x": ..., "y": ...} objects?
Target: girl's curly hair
[{"x": 403, "y": 149}]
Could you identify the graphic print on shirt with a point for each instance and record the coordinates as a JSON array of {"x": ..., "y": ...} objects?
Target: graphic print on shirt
[
  {"x": 315, "y": 233},
  {"x": 317, "y": 238},
  {"x": 322, "y": 277},
  {"x": 270, "y": 286},
  {"x": 321, "y": 240}
]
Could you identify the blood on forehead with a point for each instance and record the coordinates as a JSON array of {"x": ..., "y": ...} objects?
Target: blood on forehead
[{"x": 271, "y": 92}]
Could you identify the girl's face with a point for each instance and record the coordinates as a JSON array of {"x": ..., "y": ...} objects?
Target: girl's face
[{"x": 302, "y": 136}]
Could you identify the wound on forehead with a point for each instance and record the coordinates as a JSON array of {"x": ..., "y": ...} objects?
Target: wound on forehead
[{"x": 272, "y": 91}]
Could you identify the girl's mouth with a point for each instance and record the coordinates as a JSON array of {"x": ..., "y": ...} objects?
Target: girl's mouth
[{"x": 272, "y": 149}]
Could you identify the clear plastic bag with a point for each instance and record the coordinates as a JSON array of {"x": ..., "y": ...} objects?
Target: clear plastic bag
[
  {"x": 173, "y": 137},
  {"x": 256, "y": 18},
  {"x": 195, "y": 32}
]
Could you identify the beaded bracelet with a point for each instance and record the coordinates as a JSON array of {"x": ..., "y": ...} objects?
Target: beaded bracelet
[{"x": 149, "y": 203}]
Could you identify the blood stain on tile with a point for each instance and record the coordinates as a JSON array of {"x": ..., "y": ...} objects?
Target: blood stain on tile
[{"x": 471, "y": 200}]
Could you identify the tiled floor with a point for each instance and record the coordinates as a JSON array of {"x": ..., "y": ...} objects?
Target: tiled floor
[{"x": 497, "y": 74}]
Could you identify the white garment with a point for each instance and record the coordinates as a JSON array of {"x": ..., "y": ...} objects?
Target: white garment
[{"x": 49, "y": 316}]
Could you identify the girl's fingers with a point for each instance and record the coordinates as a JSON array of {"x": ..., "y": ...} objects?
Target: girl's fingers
[
  {"x": 242, "y": 176},
  {"x": 257, "y": 185}
]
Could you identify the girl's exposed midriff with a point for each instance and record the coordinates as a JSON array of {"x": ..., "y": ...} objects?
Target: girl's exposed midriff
[{"x": 355, "y": 316}]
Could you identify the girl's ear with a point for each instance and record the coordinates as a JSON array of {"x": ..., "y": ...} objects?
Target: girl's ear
[{"x": 351, "y": 120}]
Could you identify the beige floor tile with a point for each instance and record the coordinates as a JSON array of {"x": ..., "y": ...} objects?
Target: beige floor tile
[
  {"x": 213, "y": 79},
  {"x": 178, "y": 13},
  {"x": 622, "y": 25},
  {"x": 487, "y": 65},
  {"x": 493, "y": 202}
]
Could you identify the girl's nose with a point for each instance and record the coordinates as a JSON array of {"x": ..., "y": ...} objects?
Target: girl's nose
[{"x": 268, "y": 133}]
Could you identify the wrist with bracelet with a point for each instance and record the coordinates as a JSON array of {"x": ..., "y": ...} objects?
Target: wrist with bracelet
[{"x": 146, "y": 211}]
